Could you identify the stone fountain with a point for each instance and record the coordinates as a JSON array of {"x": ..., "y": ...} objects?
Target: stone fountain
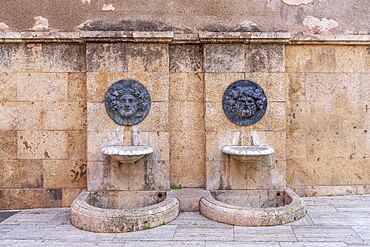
[
  {"x": 245, "y": 103},
  {"x": 127, "y": 102}
]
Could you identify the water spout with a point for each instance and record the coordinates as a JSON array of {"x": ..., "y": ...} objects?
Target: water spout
[{"x": 255, "y": 140}]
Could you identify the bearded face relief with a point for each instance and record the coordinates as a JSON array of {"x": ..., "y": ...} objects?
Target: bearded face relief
[
  {"x": 244, "y": 102},
  {"x": 127, "y": 102}
]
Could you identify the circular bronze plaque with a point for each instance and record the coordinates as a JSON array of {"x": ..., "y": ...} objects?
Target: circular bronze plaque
[
  {"x": 244, "y": 102},
  {"x": 127, "y": 102}
]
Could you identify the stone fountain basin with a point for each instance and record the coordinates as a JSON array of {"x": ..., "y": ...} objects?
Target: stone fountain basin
[
  {"x": 248, "y": 153},
  {"x": 253, "y": 208},
  {"x": 126, "y": 154},
  {"x": 122, "y": 211}
]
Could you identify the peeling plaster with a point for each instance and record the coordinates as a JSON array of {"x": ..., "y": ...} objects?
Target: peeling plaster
[
  {"x": 108, "y": 7},
  {"x": 296, "y": 2},
  {"x": 40, "y": 23},
  {"x": 320, "y": 25},
  {"x": 248, "y": 25},
  {"x": 3, "y": 26}
]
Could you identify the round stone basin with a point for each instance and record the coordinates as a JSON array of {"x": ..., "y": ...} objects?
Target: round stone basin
[
  {"x": 253, "y": 208},
  {"x": 248, "y": 153},
  {"x": 122, "y": 211},
  {"x": 126, "y": 154}
]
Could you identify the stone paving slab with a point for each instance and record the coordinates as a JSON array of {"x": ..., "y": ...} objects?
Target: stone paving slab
[
  {"x": 268, "y": 234},
  {"x": 326, "y": 234},
  {"x": 166, "y": 232},
  {"x": 313, "y": 244},
  {"x": 204, "y": 233},
  {"x": 331, "y": 222}
]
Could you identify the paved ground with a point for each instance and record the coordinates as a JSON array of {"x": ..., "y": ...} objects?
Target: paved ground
[{"x": 331, "y": 221}]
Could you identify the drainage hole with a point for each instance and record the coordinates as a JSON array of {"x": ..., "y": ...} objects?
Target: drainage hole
[{"x": 278, "y": 194}]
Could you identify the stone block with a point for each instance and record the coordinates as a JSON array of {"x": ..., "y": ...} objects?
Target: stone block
[
  {"x": 8, "y": 116},
  {"x": 148, "y": 57},
  {"x": 64, "y": 116},
  {"x": 68, "y": 195},
  {"x": 332, "y": 87},
  {"x": 77, "y": 89},
  {"x": 213, "y": 174},
  {"x": 42, "y": 87},
  {"x": 156, "y": 83},
  {"x": 319, "y": 144},
  {"x": 273, "y": 84},
  {"x": 8, "y": 87},
  {"x": 99, "y": 82},
  {"x": 364, "y": 86},
  {"x": 10, "y": 57},
  {"x": 30, "y": 198},
  {"x": 99, "y": 120},
  {"x": 61, "y": 57},
  {"x": 160, "y": 141},
  {"x": 186, "y": 58},
  {"x": 296, "y": 144},
  {"x": 96, "y": 140},
  {"x": 108, "y": 57},
  {"x": 157, "y": 119},
  {"x": 349, "y": 58},
  {"x": 187, "y": 145},
  {"x": 64, "y": 174},
  {"x": 189, "y": 173},
  {"x": 187, "y": 87},
  {"x": 296, "y": 84},
  {"x": 264, "y": 58},
  {"x": 31, "y": 115},
  {"x": 274, "y": 118},
  {"x": 8, "y": 144},
  {"x": 309, "y": 171},
  {"x": 187, "y": 116},
  {"x": 42, "y": 145},
  {"x": 77, "y": 145},
  {"x": 216, "y": 84},
  {"x": 224, "y": 58},
  {"x": 350, "y": 171},
  {"x": 298, "y": 116},
  {"x": 310, "y": 58},
  {"x": 21, "y": 174}
]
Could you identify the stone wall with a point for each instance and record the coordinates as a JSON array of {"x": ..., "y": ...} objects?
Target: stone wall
[
  {"x": 53, "y": 121},
  {"x": 328, "y": 118},
  {"x": 42, "y": 124}
]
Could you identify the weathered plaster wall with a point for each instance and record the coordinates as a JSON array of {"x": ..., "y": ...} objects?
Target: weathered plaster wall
[
  {"x": 53, "y": 121},
  {"x": 336, "y": 16}
]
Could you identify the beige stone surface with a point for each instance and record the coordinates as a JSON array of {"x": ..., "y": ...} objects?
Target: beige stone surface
[
  {"x": 52, "y": 114},
  {"x": 224, "y": 58},
  {"x": 187, "y": 87},
  {"x": 8, "y": 145},
  {"x": 186, "y": 58},
  {"x": 106, "y": 57},
  {"x": 64, "y": 174},
  {"x": 148, "y": 57},
  {"x": 21, "y": 174},
  {"x": 8, "y": 87},
  {"x": 264, "y": 58},
  {"x": 216, "y": 84},
  {"x": 42, "y": 144}
]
